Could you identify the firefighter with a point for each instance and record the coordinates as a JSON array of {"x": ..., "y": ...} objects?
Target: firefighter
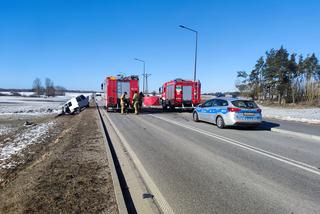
[
  {"x": 141, "y": 96},
  {"x": 135, "y": 102},
  {"x": 123, "y": 103}
]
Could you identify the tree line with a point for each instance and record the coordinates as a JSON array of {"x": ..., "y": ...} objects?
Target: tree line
[
  {"x": 282, "y": 77},
  {"x": 48, "y": 89}
]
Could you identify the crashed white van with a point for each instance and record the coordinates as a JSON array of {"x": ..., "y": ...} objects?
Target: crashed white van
[{"x": 76, "y": 104}]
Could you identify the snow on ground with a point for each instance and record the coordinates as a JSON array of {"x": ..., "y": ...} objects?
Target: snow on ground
[
  {"x": 74, "y": 94},
  {"x": 4, "y": 129},
  {"x": 30, "y": 105},
  {"x": 16, "y": 108},
  {"x": 22, "y": 93},
  {"x": 67, "y": 94},
  {"x": 34, "y": 105},
  {"x": 32, "y": 135},
  {"x": 309, "y": 115}
]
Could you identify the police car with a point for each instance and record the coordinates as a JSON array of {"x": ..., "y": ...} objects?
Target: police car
[{"x": 229, "y": 112}]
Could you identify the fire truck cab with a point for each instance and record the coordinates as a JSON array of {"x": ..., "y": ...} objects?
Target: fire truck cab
[
  {"x": 114, "y": 87},
  {"x": 180, "y": 94}
]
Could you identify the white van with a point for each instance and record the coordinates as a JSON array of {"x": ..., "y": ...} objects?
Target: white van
[{"x": 75, "y": 104}]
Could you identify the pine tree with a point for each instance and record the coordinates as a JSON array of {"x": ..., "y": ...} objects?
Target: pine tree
[
  {"x": 255, "y": 78},
  {"x": 281, "y": 75},
  {"x": 310, "y": 66},
  {"x": 293, "y": 73}
]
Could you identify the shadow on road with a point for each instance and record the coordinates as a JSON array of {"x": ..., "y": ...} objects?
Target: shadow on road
[
  {"x": 268, "y": 125},
  {"x": 264, "y": 126}
]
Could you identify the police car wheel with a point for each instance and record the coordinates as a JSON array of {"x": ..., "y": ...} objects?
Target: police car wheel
[
  {"x": 220, "y": 122},
  {"x": 195, "y": 117}
]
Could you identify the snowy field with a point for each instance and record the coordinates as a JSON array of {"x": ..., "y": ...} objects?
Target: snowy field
[
  {"x": 308, "y": 115},
  {"x": 15, "y": 145},
  {"x": 30, "y": 105},
  {"x": 33, "y": 105},
  {"x": 22, "y": 93},
  {"x": 17, "y": 110},
  {"x": 73, "y": 94},
  {"x": 15, "y": 137}
]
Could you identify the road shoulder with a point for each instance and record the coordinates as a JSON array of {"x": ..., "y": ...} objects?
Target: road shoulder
[
  {"x": 298, "y": 129},
  {"x": 138, "y": 190},
  {"x": 68, "y": 173}
]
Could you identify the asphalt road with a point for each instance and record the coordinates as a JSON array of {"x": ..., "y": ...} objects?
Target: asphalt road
[
  {"x": 301, "y": 127},
  {"x": 202, "y": 169}
]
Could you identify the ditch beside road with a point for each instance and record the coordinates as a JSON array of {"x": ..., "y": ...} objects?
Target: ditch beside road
[{"x": 67, "y": 172}]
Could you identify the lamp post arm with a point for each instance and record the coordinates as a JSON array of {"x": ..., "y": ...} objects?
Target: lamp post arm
[{"x": 196, "y": 51}]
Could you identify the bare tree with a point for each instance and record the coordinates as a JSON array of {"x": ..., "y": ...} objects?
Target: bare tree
[
  {"x": 60, "y": 91},
  {"x": 50, "y": 90},
  {"x": 37, "y": 87}
]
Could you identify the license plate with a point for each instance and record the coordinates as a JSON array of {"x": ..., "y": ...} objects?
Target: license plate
[{"x": 248, "y": 114}]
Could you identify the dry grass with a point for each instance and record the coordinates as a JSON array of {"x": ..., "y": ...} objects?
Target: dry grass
[{"x": 67, "y": 174}]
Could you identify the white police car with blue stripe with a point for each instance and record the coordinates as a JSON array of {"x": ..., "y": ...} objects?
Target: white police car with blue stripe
[{"x": 229, "y": 112}]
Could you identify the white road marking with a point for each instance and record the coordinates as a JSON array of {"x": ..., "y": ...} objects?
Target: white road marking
[
  {"x": 280, "y": 158},
  {"x": 160, "y": 199},
  {"x": 302, "y": 135}
]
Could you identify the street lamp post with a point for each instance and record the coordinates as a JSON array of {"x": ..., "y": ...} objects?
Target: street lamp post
[
  {"x": 146, "y": 77},
  {"x": 144, "y": 73},
  {"x": 196, "y": 51}
]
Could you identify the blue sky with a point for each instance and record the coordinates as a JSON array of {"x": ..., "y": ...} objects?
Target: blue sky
[{"x": 78, "y": 43}]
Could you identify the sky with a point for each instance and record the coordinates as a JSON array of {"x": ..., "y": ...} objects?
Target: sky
[{"x": 78, "y": 43}]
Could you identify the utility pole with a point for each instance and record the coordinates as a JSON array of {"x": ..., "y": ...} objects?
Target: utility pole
[{"x": 146, "y": 75}]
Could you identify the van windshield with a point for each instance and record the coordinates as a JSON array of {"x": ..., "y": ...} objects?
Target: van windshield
[{"x": 244, "y": 104}]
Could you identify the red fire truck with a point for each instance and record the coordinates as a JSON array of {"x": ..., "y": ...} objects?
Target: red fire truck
[
  {"x": 114, "y": 87},
  {"x": 179, "y": 93}
]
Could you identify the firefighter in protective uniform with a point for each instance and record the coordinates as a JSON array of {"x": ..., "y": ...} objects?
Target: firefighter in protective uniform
[
  {"x": 141, "y": 96},
  {"x": 123, "y": 102},
  {"x": 135, "y": 103}
]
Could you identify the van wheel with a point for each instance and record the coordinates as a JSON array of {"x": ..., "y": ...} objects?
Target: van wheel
[
  {"x": 195, "y": 117},
  {"x": 77, "y": 110},
  {"x": 220, "y": 122}
]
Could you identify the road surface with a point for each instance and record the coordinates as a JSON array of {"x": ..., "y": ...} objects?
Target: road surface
[
  {"x": 202, "y": 169},
  {"x": 300, "y": 127}
]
